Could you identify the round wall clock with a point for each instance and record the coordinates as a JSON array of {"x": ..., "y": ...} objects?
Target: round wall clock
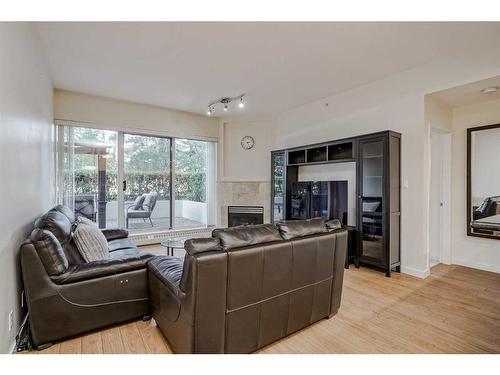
[{"x": 247, "y": 142}]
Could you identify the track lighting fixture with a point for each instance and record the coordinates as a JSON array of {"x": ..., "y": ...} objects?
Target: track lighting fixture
[{"x": 225, "y": 101}]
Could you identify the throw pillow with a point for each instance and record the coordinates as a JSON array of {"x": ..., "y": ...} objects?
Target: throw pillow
[
  {"x": 90, "y": 241},
  {"x": 139, "y": 202},
  {"x": 370, "y": 206}
]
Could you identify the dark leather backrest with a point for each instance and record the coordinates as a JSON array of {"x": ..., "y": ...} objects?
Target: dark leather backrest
[
  {"x": 50, "y": 251},
  {"x": 201, "y": 245},
  {"x": 205, "y": 299},
  {"x": 234, "y": 237},
  {"x": 277, "y": 288},
  {"x": 60, "y": 221},
  {"x": 66, "y": 211},
  {"x": 289, "y": 229},
  {"x": 57, "y": 223},
  {"x": 194, "y": 247}
]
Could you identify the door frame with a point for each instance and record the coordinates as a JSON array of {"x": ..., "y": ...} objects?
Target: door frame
[{"x": 444, "y": 138}]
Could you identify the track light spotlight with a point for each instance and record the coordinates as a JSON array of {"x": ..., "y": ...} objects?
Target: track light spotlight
[{"x": 225, "y": 101}]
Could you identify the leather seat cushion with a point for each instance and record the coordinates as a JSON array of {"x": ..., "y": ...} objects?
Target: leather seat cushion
[
  {"x": 120, "y": 244},
  {"x": 124, "y": 253},
  {"x": 167, "y": 269},
  {"x": 101, "y": 268},
  {"x": 248, "y": 235}
]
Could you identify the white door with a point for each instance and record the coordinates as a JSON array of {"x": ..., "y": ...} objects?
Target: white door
[{"x": 436, "y": 201}]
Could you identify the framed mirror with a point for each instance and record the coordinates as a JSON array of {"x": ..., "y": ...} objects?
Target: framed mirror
[{"x": 483, "y": 181}]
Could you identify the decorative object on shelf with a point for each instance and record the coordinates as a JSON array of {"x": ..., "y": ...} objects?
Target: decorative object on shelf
[
  {"x": 225, "y": 101},
  {"x": 247, "y": 142}
]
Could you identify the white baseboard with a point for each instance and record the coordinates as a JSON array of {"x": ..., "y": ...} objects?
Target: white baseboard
[
  {"x": 415, "y": 272},
  {"x": 478, "y": 265}
]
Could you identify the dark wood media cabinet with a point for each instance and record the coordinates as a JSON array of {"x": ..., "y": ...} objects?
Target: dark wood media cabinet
[{"x": 377, "y": 158}]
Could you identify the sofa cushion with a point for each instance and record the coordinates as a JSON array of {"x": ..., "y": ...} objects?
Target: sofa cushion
[
  {"x": 90, "y": 241},
  {"x": 101, "y": 268},
  {"x": 57, "y": 223},
  {"x": 114, "y": 233},
  {"x": 138, "y": 202},
  {"x": 298, "y": 228},
  {"x": 120, "y": 244},
  {"x": 50, "y": 251},
  {"x": 124, "y": 253},
  {"x": 241, "y": 236},
  {"x": 201, "y": 245}
]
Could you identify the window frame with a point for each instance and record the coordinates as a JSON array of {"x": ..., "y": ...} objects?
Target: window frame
[{"x": 211, "y": 161}]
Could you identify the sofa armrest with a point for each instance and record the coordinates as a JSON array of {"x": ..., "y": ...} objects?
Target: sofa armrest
[
  {"x": 101, "y": 268},
  {"x": 168, "y": 270},
  {"x": 114, "y": 233}
]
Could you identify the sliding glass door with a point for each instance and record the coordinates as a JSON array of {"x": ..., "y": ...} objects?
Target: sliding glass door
[
  {"x": 88, "y": 172},
  {"x": 143, "y": 182},
  {"x": 192, "y": 182},
  {"x": 146, "y": 184}
]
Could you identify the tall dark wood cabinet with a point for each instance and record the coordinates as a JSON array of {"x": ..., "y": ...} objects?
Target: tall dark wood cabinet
[
  {"x": 378, "y": 216},
  {"x": 378, "y": 172}
]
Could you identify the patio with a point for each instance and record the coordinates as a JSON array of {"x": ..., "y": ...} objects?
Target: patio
[{"x": 159, "y": 223}]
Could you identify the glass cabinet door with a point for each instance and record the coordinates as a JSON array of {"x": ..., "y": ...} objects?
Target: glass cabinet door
[
  {"x": 371, "y": 199},
  {"x": 277, "y": 186}
]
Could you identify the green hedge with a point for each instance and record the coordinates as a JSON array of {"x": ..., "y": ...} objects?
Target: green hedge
[{"x": 188, "y": 186}]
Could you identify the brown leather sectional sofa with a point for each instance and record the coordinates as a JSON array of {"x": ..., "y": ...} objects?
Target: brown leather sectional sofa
[
  {"x": 248, "y": 286},
  {"x": 233, "y": 293},
  {"x": 65, "y": 295}
]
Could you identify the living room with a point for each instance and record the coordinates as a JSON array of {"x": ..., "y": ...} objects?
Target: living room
[{"x": 249, "y": 187}]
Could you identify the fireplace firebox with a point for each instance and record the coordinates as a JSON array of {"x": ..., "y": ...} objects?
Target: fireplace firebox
[{"x": 245, "y": 215}]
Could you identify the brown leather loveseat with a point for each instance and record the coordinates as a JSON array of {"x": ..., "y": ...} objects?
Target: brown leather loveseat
[{"x": 248, "y": 286}]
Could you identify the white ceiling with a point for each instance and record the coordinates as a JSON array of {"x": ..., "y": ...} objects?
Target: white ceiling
[
  {"x": 469, "y": 93},
  {"x": 278, "y": 65}
]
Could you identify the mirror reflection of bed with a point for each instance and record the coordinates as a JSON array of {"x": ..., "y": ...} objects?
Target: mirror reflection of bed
[{"x": 484, "y": 181}]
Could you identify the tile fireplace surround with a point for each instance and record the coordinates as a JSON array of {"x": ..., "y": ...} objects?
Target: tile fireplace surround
[{"x": 251, "y": 193}]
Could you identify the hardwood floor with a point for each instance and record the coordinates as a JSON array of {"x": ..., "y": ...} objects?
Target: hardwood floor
[{"x": 455, "y": 310}]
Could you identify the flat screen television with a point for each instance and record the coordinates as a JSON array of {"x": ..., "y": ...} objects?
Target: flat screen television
[{"x": 325, "y": 199}]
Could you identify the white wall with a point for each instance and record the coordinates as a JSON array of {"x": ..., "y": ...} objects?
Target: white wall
[
  {"x": 239, "y": 165},
  {"x": 470, "y": 251},
  {"x": 405, "y": 115},
  {"x": 26, "y": 158},
  {"x": 393, "y": 103},
  {"x": 134, "y": 117},
  {"x": 335, "y": 172}
]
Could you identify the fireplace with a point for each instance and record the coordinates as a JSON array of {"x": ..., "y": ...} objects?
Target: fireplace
[{"x": 245, "y": 215}]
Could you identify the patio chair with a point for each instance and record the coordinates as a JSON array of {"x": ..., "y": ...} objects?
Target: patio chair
[
  {"x": 83, "y": 204},
  {"x": 145, "y": 210}
]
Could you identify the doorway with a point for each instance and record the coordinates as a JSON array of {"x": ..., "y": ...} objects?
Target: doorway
[{"x": 439, "y": 198}]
